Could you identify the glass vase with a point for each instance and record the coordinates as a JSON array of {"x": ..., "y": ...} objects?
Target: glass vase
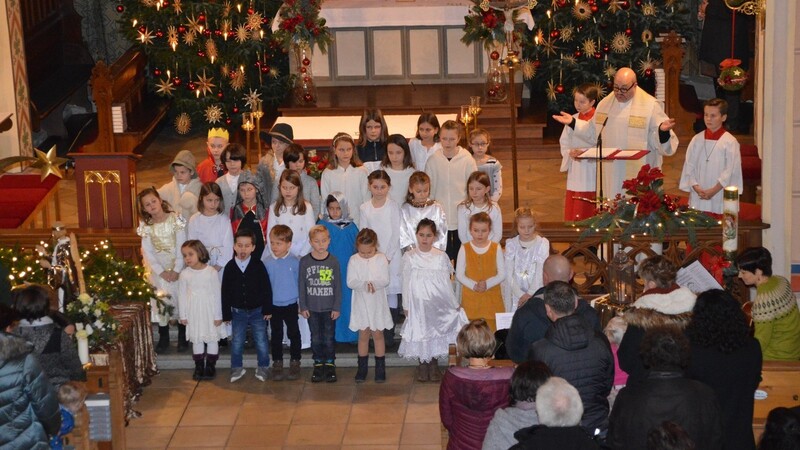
[
  {"x": 305, "y": 91},
  {"x": 496, "y": 78}
]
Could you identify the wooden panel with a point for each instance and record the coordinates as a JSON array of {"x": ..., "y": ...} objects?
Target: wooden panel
[
  {"x": 387, "y": 53},
  {"x": 460, "y": 58},
  {"x": 424, "y": 50},
  {"x": 320, "y": 64},
  {"x": 351, "y": 54}
]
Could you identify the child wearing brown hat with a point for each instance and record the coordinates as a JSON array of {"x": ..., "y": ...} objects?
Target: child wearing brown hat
[{"x": 182, "y": 192}]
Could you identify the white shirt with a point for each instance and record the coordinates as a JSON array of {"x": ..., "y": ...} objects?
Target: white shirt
[
  {"x": 465, "y": 213},
  {"x": 216, "y": 233},
  {"x": 300, "y": 225},
  {"x": 399, "y": 188},
  {"x": 461, "y": 267},
  {"x": 420, "y": 153}
]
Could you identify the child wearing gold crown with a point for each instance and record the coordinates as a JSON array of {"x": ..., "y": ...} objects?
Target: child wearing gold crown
[{"x": 212, "y": 167}]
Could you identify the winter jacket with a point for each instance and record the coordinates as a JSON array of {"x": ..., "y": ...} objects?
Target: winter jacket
[
  {"x": 29, "y": 409},
  {"x": 540, "y": 437},
  {"x": 665, "y": 396},
  {"x": 573, "y": 350},
  {"x": 506, "y": 422},
  {"x": 656, "y": 308},
  {"x": 55, "y": 349}
]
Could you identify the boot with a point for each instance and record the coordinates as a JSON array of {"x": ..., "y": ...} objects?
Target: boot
[
  {"x": 319, "y": 372},
  {"x": 183, "y": 344},
  {"x": 277, "y": 371},
  {"x": 211, "y": 367},
  {"x": 294, "y": 370},
  {"x": 435, "y": 373},
  {"x": 163, "y": 339},
  {"x": 361, "y": 373},
  {"x": 380, "y": 369},
  {"x": 330, "y": 372},
  {"x": 199, "y": 367},
  {"x": 423, "y": 372}
]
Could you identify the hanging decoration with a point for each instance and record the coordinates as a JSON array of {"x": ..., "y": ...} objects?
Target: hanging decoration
[{"x": 732, "y": 78}]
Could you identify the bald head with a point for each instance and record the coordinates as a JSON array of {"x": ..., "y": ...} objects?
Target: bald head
[
  {"x": 625, "y": 78},
  {"x": 556, "y": 268}
]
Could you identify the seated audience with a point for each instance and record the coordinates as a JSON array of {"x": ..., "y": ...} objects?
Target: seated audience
[
  {"x": 665, "y": 394},
  {"x": 669, "y": 436},
  {"x": 782, "y": 430},
  {"x": 663, "y": 303},
  {"x": 521, "y": 413},
  {"x": 614, "y": 330},
  {"x": 530, "y": 321},
  {"x": 33, "y": 414},
  {"x": 559, "y": 408},
  {"x": 775, "y": 313},
  {"x": 577, "y": 352},
  {"x": 469, "y": 396},
  {"x": 57, "y": 352},
  {"x": 728, "y": 359}
]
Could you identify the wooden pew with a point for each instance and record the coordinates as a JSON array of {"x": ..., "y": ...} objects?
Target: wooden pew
[
  {"x": 124, "y": 82},
  {"x": 781, "y": 381}
]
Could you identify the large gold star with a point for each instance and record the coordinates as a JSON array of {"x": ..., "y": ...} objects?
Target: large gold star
[{"x": 48, "y": 163}]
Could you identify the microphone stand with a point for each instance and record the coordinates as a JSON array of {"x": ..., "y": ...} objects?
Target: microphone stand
[{"x": 600, "y": 176}]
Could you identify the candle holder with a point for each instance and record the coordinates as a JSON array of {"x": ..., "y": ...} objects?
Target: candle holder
[
  {"x": 475, "y": 109},
  {"x": 465, "y": 118},
  {"x": 247, "y": 126}
]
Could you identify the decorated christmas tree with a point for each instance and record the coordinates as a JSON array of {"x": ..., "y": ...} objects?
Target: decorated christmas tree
[{"x": 218, "y": 59}]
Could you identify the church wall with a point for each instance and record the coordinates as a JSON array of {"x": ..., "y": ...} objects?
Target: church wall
[
  {"x": 795, "y": 228},
  {"x": 17, "y": 140}
]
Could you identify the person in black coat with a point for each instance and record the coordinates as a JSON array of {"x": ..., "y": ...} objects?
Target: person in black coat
[
  {"x": 573, "y": 350},
  {"x": 728, "y": 359},
  {"x": 665, "y": 395}
]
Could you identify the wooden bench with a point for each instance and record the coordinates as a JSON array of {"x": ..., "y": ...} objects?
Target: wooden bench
[
  {"x": 781, "y": 381},
  {"x": 124, "y": 82}
]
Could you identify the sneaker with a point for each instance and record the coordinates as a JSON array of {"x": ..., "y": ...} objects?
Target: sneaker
[
  {"x": 319, "y": 372},
  {"x": 330, "y": 372},
  {"x": 262, "y": 373},
  {"x": 237, "y": 374}
]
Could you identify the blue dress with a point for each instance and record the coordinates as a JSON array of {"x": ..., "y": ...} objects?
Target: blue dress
[{"x": 343, "y": 246}]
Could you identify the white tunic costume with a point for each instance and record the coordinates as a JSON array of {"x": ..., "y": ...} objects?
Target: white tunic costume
[
  {"x": 369, "y": 310},
  {"x": 299, "y": 223},
  {"x": 420, "y": 153},
  {"x": 399, "y": 188},
  {"x": 434, "y": 314},
  {"x": 161, "y": 251},
  {"x": 410, "y": 216},
  {"x": 385, "y": 221},
  {"x": 200, "y": 298},
  {"x": 182, "y": 197},
  {"x": 707, "y": 163},
  {"x": 216, "y": 234},
  {"x": 632, "y": 125},
  {"x": 465, "y": 212},
  {"x": 449, "y": 181},
  {"x": 352, "y": 181},
  {"x": 524, "y": 263},
  {"x": 581, "y": 173}
]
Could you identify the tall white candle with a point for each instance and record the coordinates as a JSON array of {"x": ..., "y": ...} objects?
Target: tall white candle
[{"x": 730, "y": 220}]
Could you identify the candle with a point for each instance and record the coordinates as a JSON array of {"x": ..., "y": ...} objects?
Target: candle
[
  {"x": 198, "y": 93},
  {"x": 730, "y": 221},
  {"x": 83, "y": 348}
]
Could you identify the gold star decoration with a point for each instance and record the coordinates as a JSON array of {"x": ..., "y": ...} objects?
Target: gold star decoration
[
  {"x": 582, "y": 11},
  {"x": 164, "y": 87},
  {"x": 620, "y": 43},
  {"x": 172, "y": 36},
  {"x": 614, "y": 6},
  {"x": 146, "y": 37},
  {"x": 252, "y": 98},
  {"x": 589, "y": 47},
  {"x": 528, "y": 69},
  {"x": 670, "y": 3},
  {"x": 567, "y": 32},
  {"x": 213, "y": 114},
  {"x": 188, "y": 38},
  {"x": 648, "y": 64},
  {"x": 610, "y": 71},
  {"x": 204, "y": 84},
  {"x": 549, "y": 46},
  {"x": 225, "y": 70},
  {"x": 226, "y": 28},
  {"x": 211, "y": 48},
  {"x": 183, "y": 123},
  {"x": 649, "y": 9},
  {"x": 237, "y": 81},
  {"x": 194, "y": 25},
  {"x": 242, "y": 35},
  {"x": 569, "y": 60},
  {"x": 647, "y": 36},
  {"x": 226, "y": 9},
  {"x": 48, "y": 163},
  {"x": 539, "y": 36},
  {"x": 274, "y": 73},
  {"x": 601, "y": 89},
  {"x": 176, "y": 5},
  {"x": 254, "y": 21},
  {"x": 551, "y": 91}
]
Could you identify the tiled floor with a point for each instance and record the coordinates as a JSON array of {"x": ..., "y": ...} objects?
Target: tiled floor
[{"x": 180, "y": 413}]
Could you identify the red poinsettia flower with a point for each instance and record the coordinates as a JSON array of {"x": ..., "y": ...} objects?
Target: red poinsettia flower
[
  {"x": 489, "y": 19},
  {"x": 648, "y": 202}
]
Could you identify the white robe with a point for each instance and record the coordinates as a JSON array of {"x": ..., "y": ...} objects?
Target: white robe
[
  {"x": 183, "y": 202},
  {"x": 708, "y": 163},
  {"x": 410, "y": 216},
  {"x": 420, "y": 153},
  {"x": 581, "y": 173},
  {"x": 216, "y": 233},
  {"x": 369, "y": 309},
  {"x": 464, "y": 214},
  {"x": 399, "y": 188},
  {"x": 299, "y": 223},
  {"x": 352, "y": 182},
  {"x": 200, "y": 297},
  {"x": 385, "y": 221},
  {"x": 524, "y": 263}
]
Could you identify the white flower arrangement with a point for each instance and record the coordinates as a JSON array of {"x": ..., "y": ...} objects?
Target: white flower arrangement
[{"x": 93, "y": 321}]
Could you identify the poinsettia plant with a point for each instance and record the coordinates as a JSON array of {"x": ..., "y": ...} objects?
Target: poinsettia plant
[
  {"x": 645, "y": 210},
  {"x": 300, "y": 23}
]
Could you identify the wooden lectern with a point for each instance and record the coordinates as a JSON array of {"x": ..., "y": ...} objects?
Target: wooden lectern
[{"x": 106, "y": 189}]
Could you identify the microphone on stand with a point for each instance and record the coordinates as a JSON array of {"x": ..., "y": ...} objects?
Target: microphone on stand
[{"x": 600, "y": 160}]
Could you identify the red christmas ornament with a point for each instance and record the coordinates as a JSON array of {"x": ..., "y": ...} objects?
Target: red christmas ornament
[
  {"x": 638, "y": 3},
  {"x": 176, "y": 81},
  {"x": 228, "y": 121},
  {"x": 250, "y": 11},
  {"x": 598, "y": 55},
  {"x": 142, "y": 29},
  {"x": 495, "y": 55},
  {"x": 606, "y": 48},
  {"x": 491, "y": 93},
  {"x": 120, "y": 9},
  {"x": 217, "y": 32},
  {"x": 206, "y": 32},
  {"x": 605, "y": 2},
  {"x": 625, "y": 4},
  {"x": 561, "y": 3},
  {"x": 592, "y": 2},
  {"x": 159, "y": 34},
  {"x": 201, "y": 18},
  {"x": 181, "y": 29},
  {"x": 306, "y": 61},
  {"x": 578, "y": 53},
  {"x": 560, "y": 89},
  {"x": 594, "y": 8},
  {"x": 264, "y": 69},
  {"x": 308, "y": 98},
  {"x": 307, "y": 80},
  {"x": 201, "y": 54},
  {"x": 157, "y": 72},
  {"x": 537, "y": 64},
  {"x": 555, "y": 34},
  {"x": 236, "y": 110},
  {"x": 648, "y": 73},
  {"x": 219, "y": 94},
  {"x": 303, "y": 70},
  {"x": 191, "y": 86},
  {"x": 628, "y": 32}
]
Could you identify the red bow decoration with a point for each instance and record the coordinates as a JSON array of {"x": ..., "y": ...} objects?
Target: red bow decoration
[{"x": 717, "y": 265}]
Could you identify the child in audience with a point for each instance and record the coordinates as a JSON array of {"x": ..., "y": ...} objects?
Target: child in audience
[
  {"x": 345, "y": 174},
  {"x": 382, "y": 215},
  {"x": 247, "y": 302},
  {"x": 479, "y": 142},
  {"x": 478, "y": 188},
  {"x": 372, "y": 138},
  {"x": 212, "y": 167},
  {"x": 525, "y": 255},
  {"x": 581, "y": 173},
  {"x": 283, "y": 269},
  {"x": 235, "y": 158},
  {"x": 181, "y": 193},
  {"x": 250, "y": 211},
  {"x": 320, "y": 302},
  {"x": 480, "y": 269},
  {"x": 418, "y": 206},
  {"x": 272, "y": 164},
  {"x": 292, "y": 209},
  {"x": 295, "y": 159},
  {"x": 713, "y": 161},
  {"x": 201, "y": 309},
  {"x": 368, "y": 277},
  {"x": 426, "y": 141},
  {"x": 397, "y": 163},
  {"x": 71, "y": 396},
  {"x": 212, "y": 227},
  {"x": 433, "y": 315},
  {"x": 449, "y": 170},
  {"x": 163, "y": 232},
  {"x": 342, "y": 232},
  {"x": 614, "y": 331}
]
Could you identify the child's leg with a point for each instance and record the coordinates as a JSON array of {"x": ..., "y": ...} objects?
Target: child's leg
[
  {"x": 380, "y": 344},
  {"x": 238, "y": 330},
  {"x": 198, "y": 348},
  {"x": 315, "y": 326},
  {"x": 293, "y": 332},
  {"x": 363, "y": 341},
  {"x": 328, "y": 336},
  {"x": 276, "y": 332},
  {"x": 259, "y": 326},
  {"x": 212, "y": 349}
]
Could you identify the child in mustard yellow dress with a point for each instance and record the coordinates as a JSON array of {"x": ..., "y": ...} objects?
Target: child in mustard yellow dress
[{"x": 480, "y": 268}]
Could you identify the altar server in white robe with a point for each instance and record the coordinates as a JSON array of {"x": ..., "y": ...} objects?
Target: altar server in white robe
[
  {"x": 713, "y": 161},
  {"x": 636, "y": 121}
]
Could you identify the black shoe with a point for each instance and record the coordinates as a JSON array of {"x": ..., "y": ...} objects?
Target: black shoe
[
  {"x": 330, "y": 372},
  {"x": 223, "y": 343},
  {"x": 211, "y": 370},
  {"x": 319, "y": 372},
  {"x": 199, "y": 369},
  {"x": 361, "y": 373},
  {"x": 380, "y": 369},
  {"x": 163, "y": 340}
]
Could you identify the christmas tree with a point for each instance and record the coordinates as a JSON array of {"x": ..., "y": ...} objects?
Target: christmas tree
[{"x": 215, "y": 59}]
